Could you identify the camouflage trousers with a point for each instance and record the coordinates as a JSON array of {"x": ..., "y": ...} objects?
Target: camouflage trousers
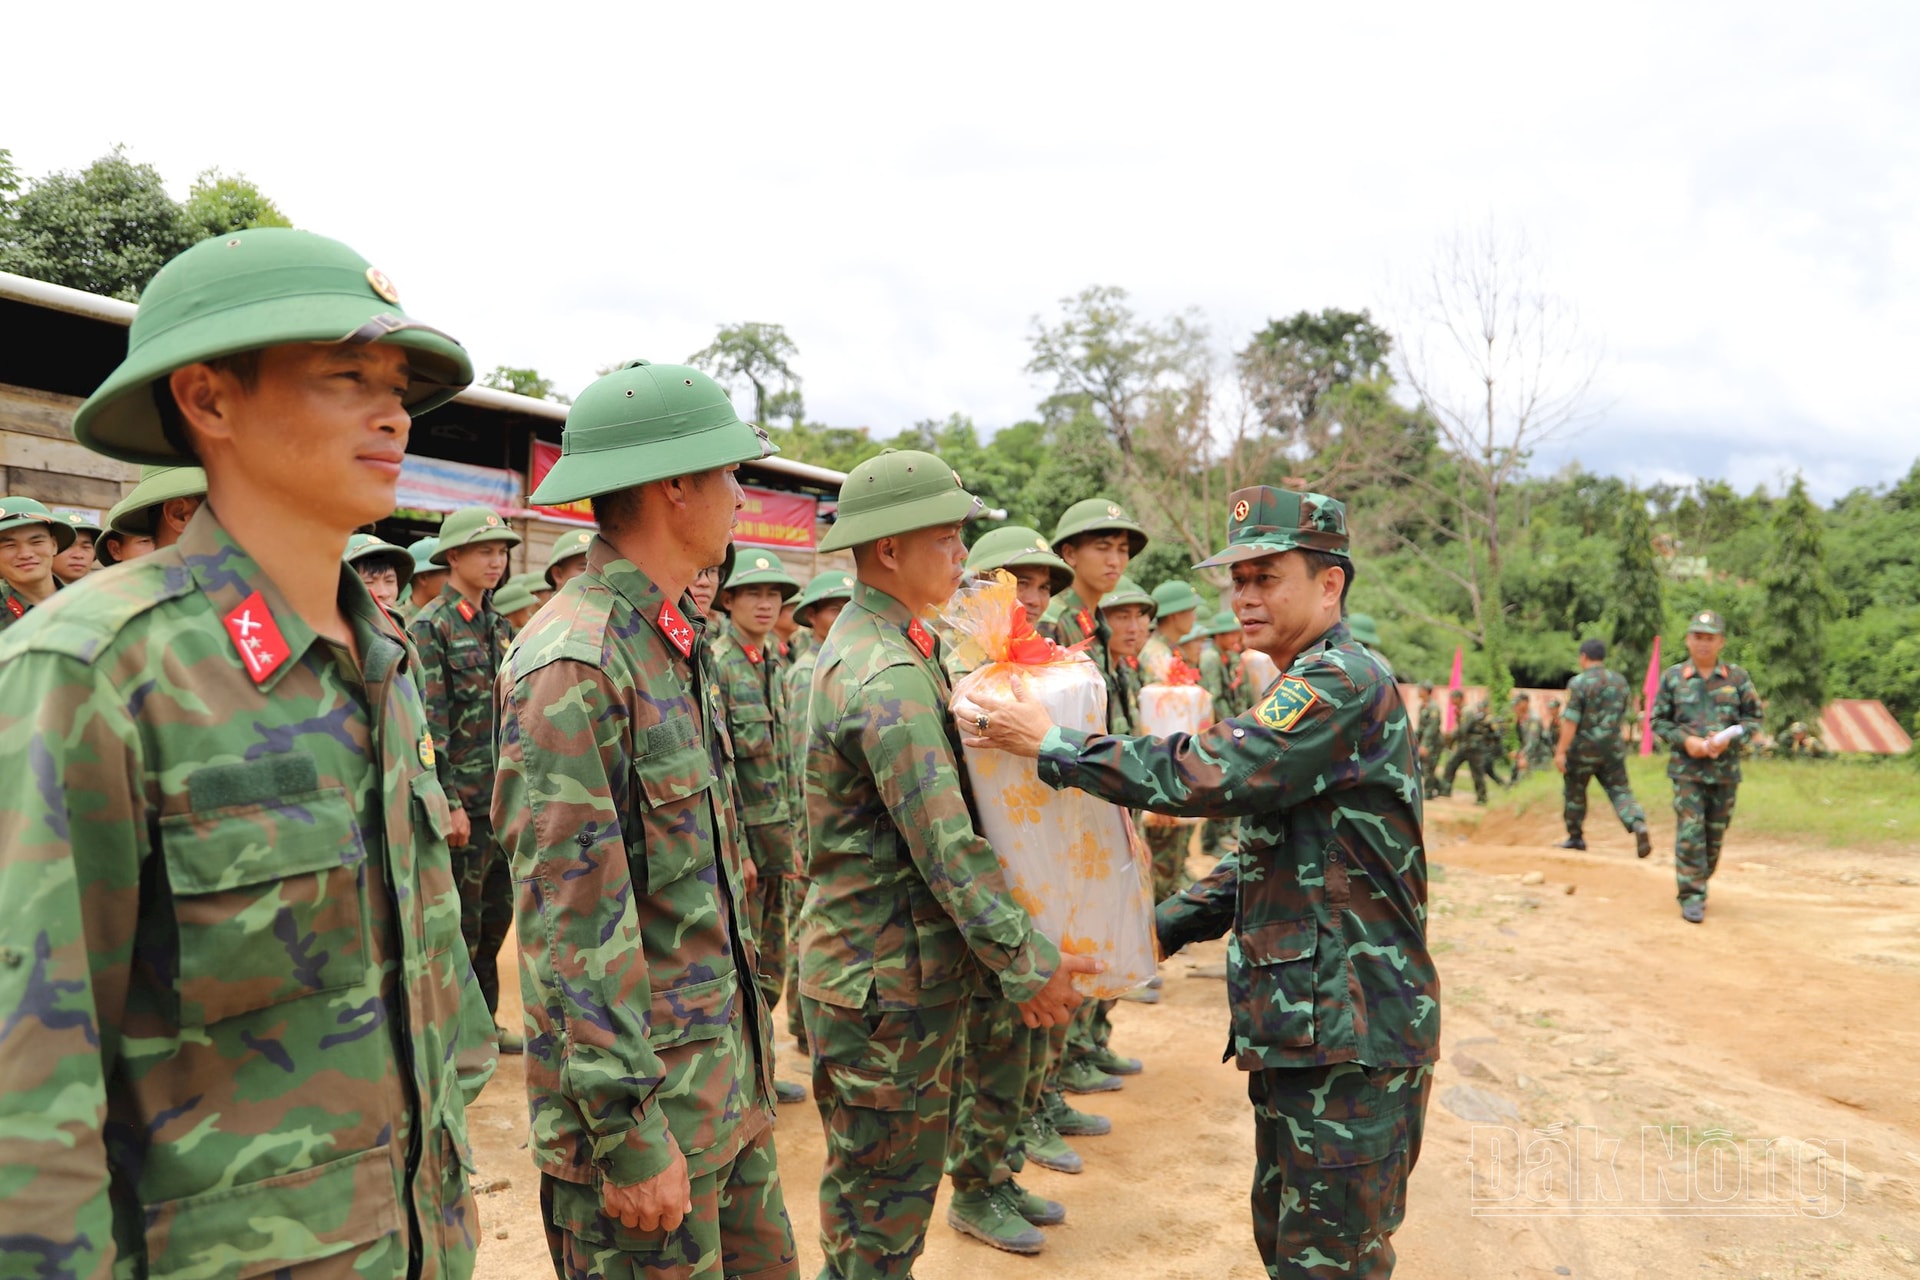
[
  {"x": 768, "y": 905},
  {"x": 738, "y": 1228},
  {"x": 1333, "y": 1149},
  {"x": 796, "y": 889},
  {"x": 1612, "y": 773},
  {"x": 1480, "y": 764},
  {"x": 486, "y": 904},
  {"x": 1091, "y": 1027},
  {"x": 1703, "y": 810},
  {"x": 884, "y": 1084},
  {"x": 1168, "y": 846},
  {"x": 997, "y": 1079},
  {"x": 1429, "y": 776}
]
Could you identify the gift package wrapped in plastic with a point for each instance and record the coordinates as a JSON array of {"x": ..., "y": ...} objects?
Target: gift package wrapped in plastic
[
  {"x": 1261, "y": 673},
  {"x": 1072, "y": 860},
  {"x": 1176, "y": 705}
]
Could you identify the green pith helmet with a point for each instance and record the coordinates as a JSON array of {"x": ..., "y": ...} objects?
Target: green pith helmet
[
  {"x": 536, "y": 583},
  {"x": 512, "y": 596},
  {"x": 20, "y": 513},
  {"x": 896, "y": 492},
  {"x": 245, "y": 291},
  {"x": 422, "y": 549},
  {"x": 1264, "y": 521},
  {"x": 371, "y": 549},
  {"x": 831, "y": 585},
  {"x": 645, "y": 422},
  {"x": 1175, "y": 596},
  {"x": 1360, "y": 627},
  {"x": 1707, "y": 623},
  {"x": 1126, "y": 592},
  {"x": 1200, "y": 631},
  {"x": 566, "y": 547},
  {"x": 1223, "y": 623},
  {"x": 753, "y": 568},
  {"x": 135, "y": 513},
  {"x": 1426, "y": 687},
  {"x": 1015, "y": 545},
  {"x": 1098, "y": 515},
  {"x": 79, "y": 523},
  {"x": 470, "y": 526}
]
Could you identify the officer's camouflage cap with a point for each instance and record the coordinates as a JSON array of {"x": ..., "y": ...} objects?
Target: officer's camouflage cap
[
  {"x": 1098, "y": 515},
  {"x": 752, "y": 568},
  {"x": 21, "y": 513},
  {"x": 371, "y": 549},
  {"x": 245, "y": 291},
  {"x": 565, "y": 547},
  {"x": 470, "y": 526},
  {"x": 1264, "y": 521},
  {"x": 1707, "y": 622},
  {"x": 1360, "y": 627},
  {"x": 1175, "y": 596},
  {"x": 1223, "y": 623},
  {"x": 831, "y": 585},
  {"x": 511, "y": 596},
  {"x": 1017, "y": 546},
  {"x": 647, "y": 422},
  {"x": 1126, "y": 592},
  {"x": 135, "y": 514},
  {"x": 422, "y": 549},
  {"x": 896, "y": 492}
]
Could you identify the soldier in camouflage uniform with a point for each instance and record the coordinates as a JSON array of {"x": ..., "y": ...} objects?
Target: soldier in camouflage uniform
[
  {"x": 1590, "y": 746},
  {"x": 428, "y": 577},
  {"x": 154, "y": 512},
  {"x": 1176, "y": 606},
  {"x": 31, "y": 537},
  {"x": 461, "y": 640},
  {"x": 383, "y": 567},
  {"x": 1476, "y": 741},
  {"x": 238, "y": 1026},
  {"x": 907, "y": 914},
  {"x": 1334, "y": 998},
  {"x": 515, "y": 601},
  {"x": 77, "y": 561},
  {"x": 1428, "y": 741},
  {"x": 1699, "y": 698},
  {"x": 567, "y": 558},
  {"x": 649, "y": 1065},
  {"x": 753, "y": 698}
]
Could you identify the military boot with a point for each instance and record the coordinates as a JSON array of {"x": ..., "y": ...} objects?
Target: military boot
[
  {"x": 1693, "y": 912},
  {"x": 1041, "y": 1143},
  {"x": 1112, "y": 1063},
  {"x": 1070, "y": 1123},
  {"x": 788, "y": 1091},
  {"x": 1572, "y": 842},
  {"x": 1032, "y": 1206},
  {"x": 1642, "y": 842},
  {"x": 509, "y": 1042},
  {"x": 1079, "y": 1075},
  {"x": 989, "y": 1217}
]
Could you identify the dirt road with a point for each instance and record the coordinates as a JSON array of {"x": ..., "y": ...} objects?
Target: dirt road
[{"x": 1633, "y": 1068}]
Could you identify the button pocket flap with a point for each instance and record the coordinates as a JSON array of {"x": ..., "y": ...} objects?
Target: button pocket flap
[
  {"x": 1279, "y": 942},
  {"x": 433, "y": 800},
  {"x": 1358, "y": 1140},
  {"x": 670, "y": 776},
  {"x": 858, "y": 1087},
  {"x": 251, "y": 844},
  {"x": 750, "y": 713},
  {"x": 694, "y": 1011},
  {"x": 466, "y": 658}
]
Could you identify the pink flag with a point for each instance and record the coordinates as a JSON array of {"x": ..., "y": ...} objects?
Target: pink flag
[
  {"x": 1452, "y": 684},
  {"x": 1647, "y": 693}
]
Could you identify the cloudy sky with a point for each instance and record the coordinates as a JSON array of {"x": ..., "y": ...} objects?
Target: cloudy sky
[{"x": 1728, "y": 194}]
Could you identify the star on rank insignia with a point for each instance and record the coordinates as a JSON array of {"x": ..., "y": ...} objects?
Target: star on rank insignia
[
  {"x": 921, "y": 637},
  {"x": 1290, "y": 699},
  {"x": 677, "y": 630},
  {"x": 1085, "y": 619},
  {"x": 15, "y": 608},
  {"x": 256, "y": 637}
]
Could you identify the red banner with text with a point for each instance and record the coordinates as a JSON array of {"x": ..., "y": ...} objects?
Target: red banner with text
[
  {"x": 544, "y": 457},
  {"x": 769, "y": 518}
]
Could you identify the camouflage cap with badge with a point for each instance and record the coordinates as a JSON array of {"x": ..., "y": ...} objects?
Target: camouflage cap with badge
[
  {"x": 470, "y": 526},
  {"x": 1707, "y": 623},
  {"x": 1098, "y": 515},
  {"x": 1265, "y": 520},
  {"x": 895, "y": 492},
  {"x": 645, "y": 422},
  {"x": 753, "y": 568},
  {"x": 264, "y": 287},
  {"x": 831, "y": 585},
  {"x": 1017, "y": 546}
]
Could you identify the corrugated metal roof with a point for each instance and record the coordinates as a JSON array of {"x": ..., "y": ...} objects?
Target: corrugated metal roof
[{"x": 1863, "y": 724}]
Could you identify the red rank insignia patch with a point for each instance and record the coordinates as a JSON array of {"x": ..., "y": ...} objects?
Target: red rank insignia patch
[
  {"x": 466, "y": 611},
  {"x": 15, "y": 608},
  {"x": 753, "y": 653},
  {"x": 677, "y": 630},
  {"x": 1085, "y": 619},
  {"x": 1133, "y": 664},
  {"x": 921, "y": 637},
  {"x": 256, "y": 637}
]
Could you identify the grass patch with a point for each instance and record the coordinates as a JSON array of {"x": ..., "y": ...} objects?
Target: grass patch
[{"x": 1849, "y": 802}]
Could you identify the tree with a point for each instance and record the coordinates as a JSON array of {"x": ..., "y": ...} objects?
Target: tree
[
  {"x": 218, "y": 205},
  {"x": 1104, "y": 354},
  {"x": 762, "y": 355},
  {"x": 523, "y": 382},
  {"x": 1790, "y": 644},
  {"x": 9, "y": 180},
  {"x": 1289, "y": 365},
  {"x": 1637, "y": 607},
  {"x": 106, "y": 229}
]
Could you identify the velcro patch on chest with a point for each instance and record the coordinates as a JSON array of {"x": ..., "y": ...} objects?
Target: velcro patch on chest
[{"x": 1291, "y": 699}]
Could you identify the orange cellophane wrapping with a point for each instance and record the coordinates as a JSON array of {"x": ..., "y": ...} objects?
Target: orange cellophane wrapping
[{"x": 1072, "y": 860}]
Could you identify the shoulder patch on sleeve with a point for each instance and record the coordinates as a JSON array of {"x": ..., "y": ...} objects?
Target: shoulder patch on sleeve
[{"x": 1282, "y": 709}]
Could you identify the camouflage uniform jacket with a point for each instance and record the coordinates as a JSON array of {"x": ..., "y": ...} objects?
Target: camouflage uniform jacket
[
  {"x": 1596, "y": 708},
  {"x": 798, "y": 682},
  {"x": 1239, "y": 695},
  {"x": 13, "y": 605},
  {"x": 753, "y": 697},
  {"x": 1327, "y": 957},
  {"x": 906, "y": 896},
  {"x": 795, "y": 647},
  {"x": 1690, "y": 703},
  {"x": 1074, "y": 622},
  {"x": 1431, "y": 736},
  {"x": 612, "y": 807},
  {"x": 460, "y": 651},
  {"x": 1155, "y": 657},
  {"x": 1476, "y": 732},
  {"x": 238, "y": 1026}
]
